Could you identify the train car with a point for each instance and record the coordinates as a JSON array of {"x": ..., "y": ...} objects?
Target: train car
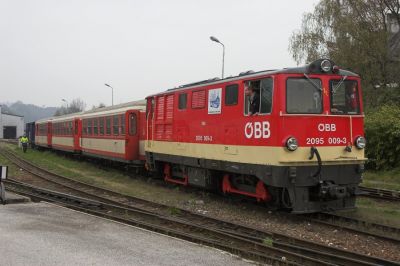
[
  {"x": 293, "y": 137},
  {"x": 43, "y": 132},
  {"x": 66, "y": 133},
  {"x": 115, "y": 133},
  {"x": 30, "y": 133}
]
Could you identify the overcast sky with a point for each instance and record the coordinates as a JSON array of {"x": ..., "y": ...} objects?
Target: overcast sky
[{"x": 51, "y": 50}]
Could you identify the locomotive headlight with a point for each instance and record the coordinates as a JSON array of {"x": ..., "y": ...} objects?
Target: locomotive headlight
[
  {"x": 326, "y": 65},
  {"x": 360, "y": 142},
  {"x": 291, "y": 144}
]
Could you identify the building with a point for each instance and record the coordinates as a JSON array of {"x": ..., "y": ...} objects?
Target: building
[{"x": 11, "y": 125}]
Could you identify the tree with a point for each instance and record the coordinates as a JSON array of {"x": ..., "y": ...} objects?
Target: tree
[
  {"x": 101, "y": 105},
  {"x": 354, "y": 34},
  {"x": 76, "y": 105}
]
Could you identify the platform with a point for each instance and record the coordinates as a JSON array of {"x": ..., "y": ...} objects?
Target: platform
[{"x": 45, "y": 234}]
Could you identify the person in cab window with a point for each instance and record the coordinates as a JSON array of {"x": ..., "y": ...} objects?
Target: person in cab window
[
  {"x": 254, "y": 100},
  {"x": 351, "y": 97}
]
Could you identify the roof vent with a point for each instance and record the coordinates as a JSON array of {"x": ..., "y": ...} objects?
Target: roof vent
[{"x": 248, "y": 72}]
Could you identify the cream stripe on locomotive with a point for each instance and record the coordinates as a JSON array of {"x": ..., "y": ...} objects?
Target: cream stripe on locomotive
[
  {"x": 65, "y": 141},
  {"x": 256, "y": 154},
  {"x": 107, "y": 145}
]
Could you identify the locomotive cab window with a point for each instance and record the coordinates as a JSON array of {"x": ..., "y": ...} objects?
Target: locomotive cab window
[
  {"x": 344, "y": 97},
  {"x": 303, "y": 96},
  {"x": 258, "y": 96},
  {"x": 182, "y": 101},
  {"x": 231, "y": 94}
]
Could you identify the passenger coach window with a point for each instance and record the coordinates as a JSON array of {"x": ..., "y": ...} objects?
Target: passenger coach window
[
  {"x": 344, "y": 97},
  {"x": 115, "y": 125},
  {"x": 303, "y": 96},
  {"x": 108, "y": 125},
  {"x": 95, "y": 126},
  {"x": 89, "y": 127},
  {"x": 101, "y": 123},
  {"x": 258, "y": 96},
  {"x": 132, "y": 124},
  {"x": 122, "y": 127},
  {"x": 182, "y": 101},
  {"x": 84, "y": 127},
  {"x": 231, "y": 94}
]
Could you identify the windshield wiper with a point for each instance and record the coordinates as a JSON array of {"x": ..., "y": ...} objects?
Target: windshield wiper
[
  {"x": 334, "y": 89},
  {"x": 312, "y": 82}
]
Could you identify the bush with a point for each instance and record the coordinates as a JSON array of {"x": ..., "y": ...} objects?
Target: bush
[{"x": 382, "y": 130}]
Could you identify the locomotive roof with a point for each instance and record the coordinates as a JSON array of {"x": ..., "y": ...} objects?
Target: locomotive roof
[{"x": 306, "y": 69}]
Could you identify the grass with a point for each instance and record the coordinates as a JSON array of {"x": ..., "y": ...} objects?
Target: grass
[
  {"x": 369, "y": 209},
  {"x": 382, "y": 179},
  {"x": 268, "y": 241},
  {"x": 376, "y": 211},
  {"x": 12, "y": 169},
  {"x": 112, "y": 179}
]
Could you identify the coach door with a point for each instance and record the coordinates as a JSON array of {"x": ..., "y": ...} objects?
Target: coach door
[
  {"x": 49, "y": 133},
  {"x": 132, "y": 136},
  {"x": 76, "y": 133}
]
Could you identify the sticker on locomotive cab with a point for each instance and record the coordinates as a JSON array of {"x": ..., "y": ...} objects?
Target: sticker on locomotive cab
[{"x": 214, "y": 101}]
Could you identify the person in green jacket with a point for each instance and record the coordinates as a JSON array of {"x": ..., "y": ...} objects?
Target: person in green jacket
[{"x": 24, "y": 141}]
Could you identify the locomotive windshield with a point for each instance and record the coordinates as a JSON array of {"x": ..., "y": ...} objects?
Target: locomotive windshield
[
  {"x": 344, "y": 97},
  {"x": 303, "y": 96}
]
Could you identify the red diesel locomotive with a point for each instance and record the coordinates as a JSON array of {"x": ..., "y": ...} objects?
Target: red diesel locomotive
[
  {"x": 302, "y": 149},
  {"x": 292, "y": 138}
]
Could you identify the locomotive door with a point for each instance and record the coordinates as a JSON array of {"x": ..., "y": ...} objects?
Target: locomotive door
[
  {"x": 163, "y": 117},
  {"x": 149, "y": 121}
]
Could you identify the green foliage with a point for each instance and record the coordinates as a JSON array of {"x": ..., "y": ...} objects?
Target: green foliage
[{"x": 382, "y": 128}]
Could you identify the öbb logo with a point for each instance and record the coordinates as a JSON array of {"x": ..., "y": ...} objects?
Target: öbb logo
[
  {"x": 257, "y": 130},
  {"x": 326, "y": 127}
]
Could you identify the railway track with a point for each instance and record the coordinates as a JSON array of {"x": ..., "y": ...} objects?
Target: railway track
[
  {"x": 383, "y": 194},
  {"x": 357, "y": 226},
  {"x": 311, "y": 250},
  {"x": 283, "y": 251}
]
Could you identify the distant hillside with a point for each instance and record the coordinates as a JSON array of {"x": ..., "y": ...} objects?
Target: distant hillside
[{"x": 29, "y": 111}]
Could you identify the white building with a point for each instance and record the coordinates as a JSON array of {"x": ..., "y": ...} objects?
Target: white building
[{"x": 11, "y": 125}]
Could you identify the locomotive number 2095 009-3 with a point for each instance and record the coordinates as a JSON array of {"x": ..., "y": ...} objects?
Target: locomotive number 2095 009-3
[{"x": 331, "y": 140}]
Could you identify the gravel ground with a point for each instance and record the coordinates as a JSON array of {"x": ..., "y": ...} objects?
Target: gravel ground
[
  {"x": 259, "y": 217},
  {"x": 251, "y": 214}
]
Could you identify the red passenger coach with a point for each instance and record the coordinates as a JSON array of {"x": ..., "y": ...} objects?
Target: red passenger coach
[
  {"x": 66, "y": 133},
  {"x": 43, "y": 133},
  {"x": 115, "y": 133},
  {"x": 292, "y": 137}
]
